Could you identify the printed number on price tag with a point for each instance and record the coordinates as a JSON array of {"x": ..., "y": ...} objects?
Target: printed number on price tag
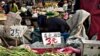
[
  {"x": 51, "y": 41},
  {"x": 51, "y": 38},
  {"x": 15, "y": 32}
]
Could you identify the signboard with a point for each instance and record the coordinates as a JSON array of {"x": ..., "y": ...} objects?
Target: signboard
[
  {"x": 17, "y": 31},
  {"x": 50, "y": 38}
]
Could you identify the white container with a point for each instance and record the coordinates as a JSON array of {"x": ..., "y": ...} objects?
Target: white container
[{"x": 90, "y": 48}]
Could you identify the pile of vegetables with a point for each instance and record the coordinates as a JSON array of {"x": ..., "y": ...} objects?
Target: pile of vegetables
[
  {"x": 52, "y": 14},
  {"x": 16, "y": 51},
  {"x": 55, "y": 54}
]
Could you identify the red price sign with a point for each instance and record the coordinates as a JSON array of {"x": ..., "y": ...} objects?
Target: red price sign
[
  {"x": 51, "y": 38},
  {"x": 51, "y": 41}
]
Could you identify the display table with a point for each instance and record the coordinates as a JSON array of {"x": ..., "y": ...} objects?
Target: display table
[{"x": 69, "y": 50}]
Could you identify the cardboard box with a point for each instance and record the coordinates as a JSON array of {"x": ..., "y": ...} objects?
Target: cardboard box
[{"x": 90, "y": 48}]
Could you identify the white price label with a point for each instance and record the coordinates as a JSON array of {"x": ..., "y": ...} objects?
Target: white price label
[
  {"x": 51, "y": 38},
  {"x": 17, "y": 31}
]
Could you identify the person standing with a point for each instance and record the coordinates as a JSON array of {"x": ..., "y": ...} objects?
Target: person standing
[
  {"x": 65, "y": 6},
  {"x": 93, "y": 7},
  {"x": 43, "y": 2},
  {"x": 6, "y": 7},
  {"x": 13, "y": 6},
  {"x": 77, "y": 5},
  {"x": 61, "y": 3}
]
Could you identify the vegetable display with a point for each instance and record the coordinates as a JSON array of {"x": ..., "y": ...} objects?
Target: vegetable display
[
  {"x": 55, "y": 54},
  {"x": 16, "y": 51}
]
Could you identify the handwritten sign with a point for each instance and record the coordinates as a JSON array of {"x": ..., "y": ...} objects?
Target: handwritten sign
[
  {"x": 50, "y": 38},
  {"x": 17, "y": 31}
]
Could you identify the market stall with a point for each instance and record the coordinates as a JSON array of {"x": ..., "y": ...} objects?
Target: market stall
[{"x": 57, "y": 39}]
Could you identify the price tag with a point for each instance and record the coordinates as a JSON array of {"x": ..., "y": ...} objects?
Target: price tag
[
  {"x": 51, "y": 38},
  {"x": 17, "y": 31}
]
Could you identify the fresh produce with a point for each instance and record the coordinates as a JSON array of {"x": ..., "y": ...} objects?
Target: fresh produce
[
  {"x": 22, "y": 52},
  {"x": 52, "y": 14},
  {"x": 3, "y": 51},
  {"x": 16, "y": 51},
  {"x": 55, "y": 54}
]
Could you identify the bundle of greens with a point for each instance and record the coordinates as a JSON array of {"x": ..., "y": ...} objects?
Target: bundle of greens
[
  {"x": 16, "y": 52},
  {"x": 55, "y": 54},
  {"x": 52, "y": 14},
  {"x": 4, "y": 51}
]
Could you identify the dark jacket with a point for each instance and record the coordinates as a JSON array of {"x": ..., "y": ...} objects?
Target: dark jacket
[
  {"x": 57, "y": 25},
  {"x": 6, "y": 8},
  {"x": 52, "y": 24}
]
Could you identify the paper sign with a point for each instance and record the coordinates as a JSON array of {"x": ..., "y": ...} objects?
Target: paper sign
[
  {"x": 50, "y": 38},
  {"x": 17, "y": 31}
]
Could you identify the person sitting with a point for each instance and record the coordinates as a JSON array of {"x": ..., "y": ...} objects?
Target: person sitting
[{"x": 61, "y": 3}]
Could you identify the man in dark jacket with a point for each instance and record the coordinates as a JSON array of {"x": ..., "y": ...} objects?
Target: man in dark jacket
[
  {"x": 57, "y": 25},
  {"x": 52, "y": 24}
]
